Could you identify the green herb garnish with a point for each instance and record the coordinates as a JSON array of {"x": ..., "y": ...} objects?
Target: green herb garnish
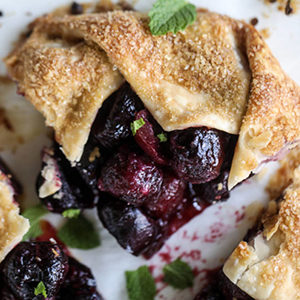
[
  {"x": 33, "y": 214},
  {"x": 136, "y": 125},
  {"x": 162, "y": 137},
  {"x": 140, "y": 284},
  {"x": 171, "y": 16},
  {"x": 71, "y": 213},
  {"x": 40, "y": 290},
  {"x": 79, "y": 233},
  {"x": 178, "y": 274}
]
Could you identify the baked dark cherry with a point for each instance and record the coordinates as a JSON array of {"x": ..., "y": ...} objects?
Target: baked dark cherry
[
  {"x": 79, "y": 283},
  {"x": 131, "y": 176},
  {"x": 5, "y": 292},
  {"x": 73, "y": 191},
  {"x": 112, "y": 124},
  {"x": 29, "y": 263},
  {"x": 171, "y": 196},
  {"x": 197, "y": 153},
  {"x": 11, "y": 178},
  {"x": 146, "y": 137},
  {"x": 215, "y": 190},
  {"x": 89, "y": 166},
  {"x": 133, "y": 230},
  {"x": 221, "y": 288}
]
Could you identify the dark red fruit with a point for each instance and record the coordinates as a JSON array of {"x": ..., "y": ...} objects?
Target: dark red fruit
[
  {"x": 9, "y": 177},
  {"x": 6, "y": 293},
  {"x": 197, "y": 153},
  {"x": 171, "y": 196},
  {"x": 112, "y": 124},
  {"x": 79, "y": 284},
  {"x": 71, "y": 192},
  {"x": 215, "y": 190},
  {"x": 147, "y": 139},
  {"x": 210, "y": 293},
  {"x": 88, "y": 167},
  {"x": 29, "y": 263},
  {"x": 131, "y": 176},
  {"x": 133, "y": 230}
]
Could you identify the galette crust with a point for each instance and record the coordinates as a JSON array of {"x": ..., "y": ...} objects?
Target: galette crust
[
  {"x": 217, "y": 73},
  {"x": 268, "y": 268},
  {"x": 12, "y": 225}
]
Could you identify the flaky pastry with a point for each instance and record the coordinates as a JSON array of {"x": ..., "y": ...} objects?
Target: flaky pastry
[
  {"x": 12, "y": 225},
  {"x": 268, "y": 266},
  {"x": 217, "y": 73}
]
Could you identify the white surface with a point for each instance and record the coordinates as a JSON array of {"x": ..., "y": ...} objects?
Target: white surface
[{"x": 109, "y": 261}]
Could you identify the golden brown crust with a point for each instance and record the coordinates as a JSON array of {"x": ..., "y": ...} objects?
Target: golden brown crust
[
  {"x": 67, "y": 82},
  {"x": 272, "y": 120},
  {"x": 12, "y": 225},
  {"x": 199, "y": 77},
  {"x": 269, "y": 266}
]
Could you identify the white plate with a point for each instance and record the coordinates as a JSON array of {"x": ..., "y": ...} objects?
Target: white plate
[{"x": 209, "y": 238}]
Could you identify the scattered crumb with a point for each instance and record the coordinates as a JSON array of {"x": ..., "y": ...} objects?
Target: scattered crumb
[
  {"x": 254, "y": 21},
  {"x": 286, "y": 6},
  {"x": 265, "y": 32},
  {"x": 1, "y": 13}
]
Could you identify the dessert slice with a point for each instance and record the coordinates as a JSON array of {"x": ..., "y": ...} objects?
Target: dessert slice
[
  {"x": 199, "y": 112},
  {"x": 266, "y": 264},
  {"x": 12, "y": 225}
]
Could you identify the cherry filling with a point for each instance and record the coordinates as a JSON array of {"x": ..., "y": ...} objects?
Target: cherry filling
[
  {"x": 30, "y": 263},
  {"x": 147, "y": 182}
]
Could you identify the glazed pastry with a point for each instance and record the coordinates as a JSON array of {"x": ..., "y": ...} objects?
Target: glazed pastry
[
  {"x": 199, "y": 112},
  {"x": 266, "y": 265},
  {"x": 12, "y": 225},
  {"x": 182, "y": 79}
]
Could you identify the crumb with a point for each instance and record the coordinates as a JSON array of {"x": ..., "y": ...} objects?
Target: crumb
[
  {"x": 265, "y": 33},
  {"x": 76, "y": 8},
  {"x": 288, "y": 8},
  {"x": 254, "y": 21},
  {"x": 1, "y": 13}
]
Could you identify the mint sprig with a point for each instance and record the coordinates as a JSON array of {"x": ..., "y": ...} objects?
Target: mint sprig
[
  {"x": 171, "y": 16},
  {"x": 140, "y": 284},
  {"x": 136, "y": 125},
  {"x": 178, "y": 274},
  {"x": 34, "y": 214},
  {"x": 79, "y": 233},
  {"x": 40, "y": 290},
  {"x": 71, "y": 213}
]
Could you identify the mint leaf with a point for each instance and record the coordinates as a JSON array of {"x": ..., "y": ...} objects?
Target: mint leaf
[
  {"x": 40, "y": 290},
  {"x": 140, "y": 284},
  {"x": 171, "y": 16},
  {"x": 71, "y": 213},
  {"x": 79, "y": 233},
  {"x": 33, "y": 214},
  {"x": 178, "y": 274},
  {"x": 136, "y": 125},
  {"x": 162, "y": 137}
]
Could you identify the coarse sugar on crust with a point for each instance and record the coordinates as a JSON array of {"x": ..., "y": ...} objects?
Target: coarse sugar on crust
[{"x": 218, "y": 73}]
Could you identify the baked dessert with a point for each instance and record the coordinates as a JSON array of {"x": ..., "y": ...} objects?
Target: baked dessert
[
  {"x": 12, "y": 225},
  {"x": 152, "y": 128},
  {"x": 265, "y": 265}
]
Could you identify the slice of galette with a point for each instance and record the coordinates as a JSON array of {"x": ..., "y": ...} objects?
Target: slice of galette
[
  {"x": 199, "y": 112},
  {"x": 12, "y": 225},
  {"x": 266, "y": 265}
]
